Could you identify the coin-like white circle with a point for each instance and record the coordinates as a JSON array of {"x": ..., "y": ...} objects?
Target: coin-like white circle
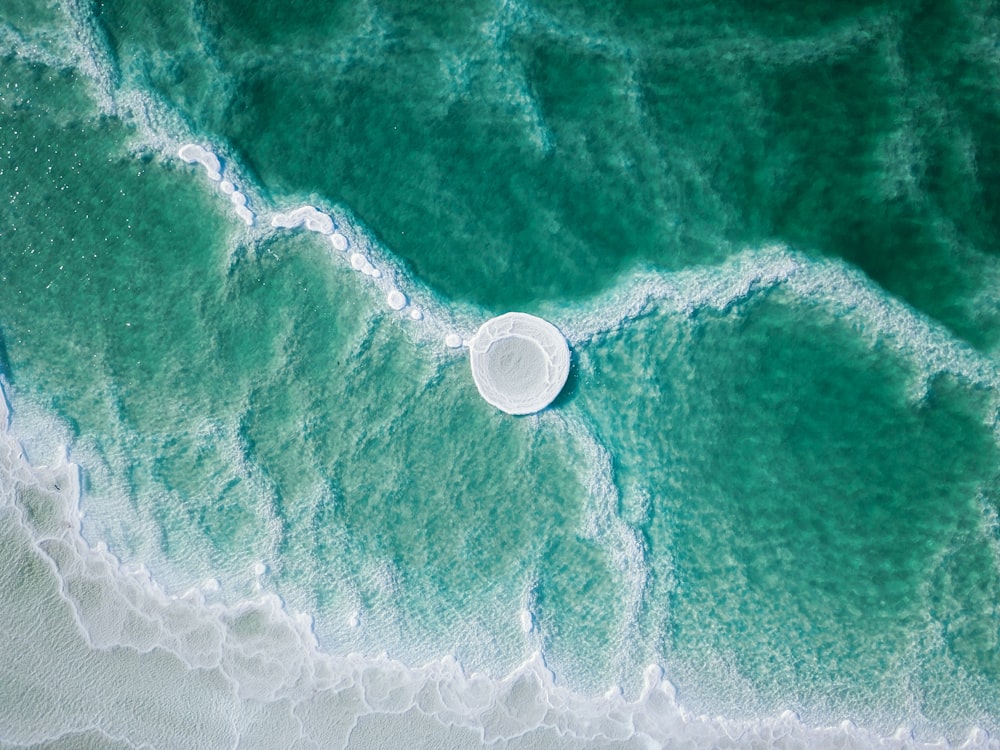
[{"x": 519, "y": 362}]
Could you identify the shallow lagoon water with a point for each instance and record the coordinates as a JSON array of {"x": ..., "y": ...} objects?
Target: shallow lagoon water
[{"x": 768, "y": 238}]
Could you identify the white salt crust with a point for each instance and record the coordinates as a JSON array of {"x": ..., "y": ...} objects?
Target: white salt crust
[
  {"x": 310, "y": 216},
  {"x": 519, "y": 362},
  {"x": 396, "y": 299},
  {"x": 192, "y": 153}
]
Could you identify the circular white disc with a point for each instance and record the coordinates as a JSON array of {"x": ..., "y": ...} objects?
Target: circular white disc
[{"x": 519, "y": 362}]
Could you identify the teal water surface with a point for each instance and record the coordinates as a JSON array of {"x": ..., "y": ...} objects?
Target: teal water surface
[{"x": 787, "y": 498}]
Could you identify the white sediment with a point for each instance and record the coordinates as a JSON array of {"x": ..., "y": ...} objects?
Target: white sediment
[
  {"x": 309, "y": 216},
  {"x": 338, "y": 241},
  {"x": 396, "y": 299},
  {"x": 359, "y": 262},
  {"x": 192, "y": 153},
  {"x": 519, "y": 362}
]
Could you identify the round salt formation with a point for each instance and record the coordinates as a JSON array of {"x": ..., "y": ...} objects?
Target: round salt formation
[
  {"x": 396, "y": 299},
  {"x": 519, "y": 362}
]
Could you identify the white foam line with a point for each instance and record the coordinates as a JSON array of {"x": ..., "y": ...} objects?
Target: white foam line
[
  {"x": 827, "y": 284},
  {"x": 603, "y": 522}
]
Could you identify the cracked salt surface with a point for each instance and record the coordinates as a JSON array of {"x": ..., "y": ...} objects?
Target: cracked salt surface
[{"x": 519, "y": 362}]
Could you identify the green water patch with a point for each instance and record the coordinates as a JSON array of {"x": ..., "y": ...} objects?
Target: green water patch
[
  {"x": 534, "y": 153},
  {"x": 29, "y": 18},
  {"x": 803, "y": 502}
]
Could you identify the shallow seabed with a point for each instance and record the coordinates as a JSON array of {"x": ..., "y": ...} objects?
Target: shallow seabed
[{"x": 251, "y": 497}]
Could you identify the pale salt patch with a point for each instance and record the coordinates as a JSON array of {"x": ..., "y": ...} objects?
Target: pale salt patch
[
  {"x": 453, "y": 341},
  {"x": 192, "y": 153},
  {"x": 338, "y": 241},
  {"x": 375, "y": 273},
  {"x": 246, "y": 214},
  {"x": 396, "y": 299},
  {"x": 313, "y": 219},
  {"x": 227, "y": 187},
  {"x": 416, "y": 314},
  {"x": 519, "y": 362},
  {"x": 359, "y": 262},
  {"x": 238, "y": 198},
  {"x": 527, "y": 621},
  {"x": 259, "y": 569}
]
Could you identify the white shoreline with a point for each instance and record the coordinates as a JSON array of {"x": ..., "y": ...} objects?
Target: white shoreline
[{"x": 117, "y": 628}]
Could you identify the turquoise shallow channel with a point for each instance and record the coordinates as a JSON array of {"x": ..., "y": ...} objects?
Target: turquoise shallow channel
[{"x": 769, "y": 233}]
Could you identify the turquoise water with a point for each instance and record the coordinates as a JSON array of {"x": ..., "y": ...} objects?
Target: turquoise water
[{"x": 768, "y": 233}]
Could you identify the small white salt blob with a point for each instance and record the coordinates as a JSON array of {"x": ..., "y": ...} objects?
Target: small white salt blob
[
  {"x": 227, "y": 187},
  {"x": 210, "y": 585},
  {"x": 416, "y": 314},
  {"x": 238, "y": 198},
  {"x": 192, "y": 153},
  {"x": 396, "y": 299},
  {"x": 317, "y": 221},
  {"x": 375, "y": 273},
  {"x": 246, "y": 214},
  {"x": 259, "y": 569},
  {"x": 453, "y": 341},
  {"x": 359, "y": 262},
  {"x": 519, "y": 362},
  {"x": 527, "y": 621},
  {"x": 338, "y": 241},
  {"x": 355, "y": 619}
]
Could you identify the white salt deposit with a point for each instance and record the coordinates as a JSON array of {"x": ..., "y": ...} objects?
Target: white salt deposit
[
  {"x": 527, "y": 621},
  {"x": 246, "y": 214},
  {"x": 519, "y": 362},
  {"x": 310, "y": 216},
  {"x": 416, "y": 314},
  {"x": 192, "y": 153},
  {"x": 338, "y": 241},
  {"x": 453, "y": 341},
  {"x": 396, "y": 299}
]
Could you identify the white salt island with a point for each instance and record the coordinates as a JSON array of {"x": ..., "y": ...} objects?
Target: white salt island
[{"x": 519, "y": 362}]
